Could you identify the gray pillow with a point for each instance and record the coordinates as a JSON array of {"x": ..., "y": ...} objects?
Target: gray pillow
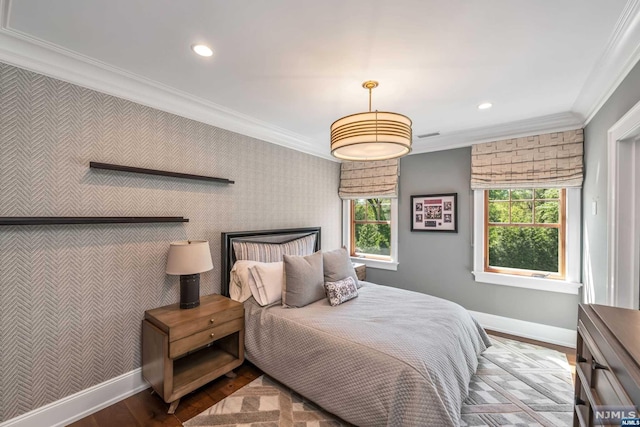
[
  {"x": 338, "y": 265},
  {"x": 303, "y": 280}
]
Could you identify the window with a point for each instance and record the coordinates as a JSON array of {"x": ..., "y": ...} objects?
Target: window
[
  {"x": 371, "y": 228},
  {"x": 525, "y": 232},
  {"x": 528, "y": 238},
  {"x": 370, "y": 231}
]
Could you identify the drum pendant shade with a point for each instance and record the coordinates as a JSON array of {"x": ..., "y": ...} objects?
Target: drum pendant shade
[{"x": 372, "y": 135}]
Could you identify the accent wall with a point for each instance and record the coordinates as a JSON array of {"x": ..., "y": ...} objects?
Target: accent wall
[{"x": 72, "y": 296}]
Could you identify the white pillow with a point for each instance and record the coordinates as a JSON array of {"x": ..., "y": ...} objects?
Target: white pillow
[
  {"x": 239, "y": 289},
  {"x": 266, "y": 282}
]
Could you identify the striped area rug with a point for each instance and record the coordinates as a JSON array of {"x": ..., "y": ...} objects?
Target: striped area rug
[
  {"x": 520, "y": 384},
  {"x": 265, "y": 403},
  {"x": 516, "y": 384}
]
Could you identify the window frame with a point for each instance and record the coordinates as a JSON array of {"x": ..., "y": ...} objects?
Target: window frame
[
  {"x": 562, "y": 235},
  {"x": 352, "y": 224},
  {"x": 348, "y": 237},
  {"x": 572, "y": 248}
]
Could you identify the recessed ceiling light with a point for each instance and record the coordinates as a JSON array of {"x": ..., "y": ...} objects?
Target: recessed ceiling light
[
  {"x": 202, "y": 50},
  {"x": 485, "y": 106}
]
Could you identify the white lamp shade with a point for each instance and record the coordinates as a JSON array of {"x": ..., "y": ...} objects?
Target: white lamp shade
[{"x": 189, "y": 257}]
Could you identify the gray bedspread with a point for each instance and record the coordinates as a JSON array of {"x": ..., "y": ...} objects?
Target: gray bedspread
[{"x": 389, "y": 357}]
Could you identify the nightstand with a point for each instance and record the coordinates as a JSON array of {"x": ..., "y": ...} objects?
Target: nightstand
[
  {"x": 361, "y": 270},
  {"x": 185, "y": 349}
]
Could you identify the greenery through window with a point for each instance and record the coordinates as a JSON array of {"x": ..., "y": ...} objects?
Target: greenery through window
[
  {"x": 371, "y": 228},
  {"x": 525, "y": 230}
]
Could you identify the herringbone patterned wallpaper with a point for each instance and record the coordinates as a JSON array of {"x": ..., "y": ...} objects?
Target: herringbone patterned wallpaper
[{"x": 72, "y": 297}]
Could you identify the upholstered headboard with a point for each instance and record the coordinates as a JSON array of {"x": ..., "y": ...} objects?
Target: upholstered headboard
[{"x": 262, "y": 236}]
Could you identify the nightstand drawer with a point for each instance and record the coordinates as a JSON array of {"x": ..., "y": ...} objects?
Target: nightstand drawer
[
  {"x": 202, "y": 338},
  {"x": 187, "y": 329}
]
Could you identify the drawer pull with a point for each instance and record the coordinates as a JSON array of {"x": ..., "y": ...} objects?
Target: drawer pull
[
  {"x": 579, "y": 401},
  {"x": 595, "y": 365},
  {"x": 212, "y": 335},
  {"x": 212, "y": 320}
]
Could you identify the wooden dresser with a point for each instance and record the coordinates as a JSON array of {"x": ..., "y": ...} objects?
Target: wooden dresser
[{"x": 607, "y": 364}]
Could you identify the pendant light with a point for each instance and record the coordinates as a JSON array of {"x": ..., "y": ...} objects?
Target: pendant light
[{"x": 374, "y": 135}]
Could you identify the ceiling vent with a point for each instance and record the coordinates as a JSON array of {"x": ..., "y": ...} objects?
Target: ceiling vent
[{"x": 428, "y": 135}]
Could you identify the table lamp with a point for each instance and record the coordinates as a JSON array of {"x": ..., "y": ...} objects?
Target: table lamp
[{"x": 188, "y": 259}]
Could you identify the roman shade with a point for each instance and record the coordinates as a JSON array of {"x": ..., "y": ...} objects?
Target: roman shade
[
  {"x": 368, "y": 180},
  {"x": 552, "y": 160}
]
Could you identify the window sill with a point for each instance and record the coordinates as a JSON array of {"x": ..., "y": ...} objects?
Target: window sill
[
  {"x": 376, "y": 263},
  {"x": 536, "y": 283}
]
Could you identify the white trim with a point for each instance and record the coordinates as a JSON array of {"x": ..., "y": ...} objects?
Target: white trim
[
  {"x": 37, "y": 55},
  {"x": 536, "y": 283},
  {"x": 376, "y": 263},
  {"x": 531, "y": 330},
  {"x": 546, "y": 124},
  {"x": 619, "y": 57},
  {"x": 31, "y": 53},
  {"x": 478, "y": 230},
  {"x": 573, "y": 238},
  {"x": 372, "y": 263},
  {"x": 79, "y": 405},
  {"x": 25, "y": 51},
  {"x": 623, "y": 210},
  {"x": 570, "y": 285}
]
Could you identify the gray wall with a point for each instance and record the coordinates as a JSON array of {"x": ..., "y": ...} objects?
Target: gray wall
[
  {"x": 72, "y": 297},
  {"x": 440, "y": 264},
  {"x": 594, "y": 230}
]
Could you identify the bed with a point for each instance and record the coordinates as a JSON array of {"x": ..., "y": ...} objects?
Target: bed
[{"x": 388, "y": 357}]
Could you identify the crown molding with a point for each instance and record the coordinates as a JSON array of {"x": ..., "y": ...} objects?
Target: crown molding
[
  {"x": 545, "y": 124},
  {"x": 25, "y": 51},
  {"x": 33, "y": 54},
  {"x": 621, "y": 54}
]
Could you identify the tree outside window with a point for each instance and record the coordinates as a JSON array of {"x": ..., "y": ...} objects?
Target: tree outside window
[
  {"x": 525, "y": 231},
  {"x": 371, "y": 228}
]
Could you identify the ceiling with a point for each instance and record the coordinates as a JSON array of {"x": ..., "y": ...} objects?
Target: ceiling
[{"x": 284, "y": 70}]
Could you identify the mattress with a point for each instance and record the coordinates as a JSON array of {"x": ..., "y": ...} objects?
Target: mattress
[{"x": 389, "y": 357}]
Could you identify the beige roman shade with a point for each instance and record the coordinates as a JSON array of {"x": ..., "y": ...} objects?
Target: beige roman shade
[
  {"x": 367, "y": 180},
  {"x": 552, "y": 160}
]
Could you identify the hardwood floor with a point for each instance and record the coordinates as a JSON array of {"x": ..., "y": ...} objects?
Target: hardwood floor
[{"x": 146, "y": 409}]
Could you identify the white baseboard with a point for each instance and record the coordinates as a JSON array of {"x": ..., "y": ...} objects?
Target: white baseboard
[
  {"x": 79, "y": 405},
  {"x": 521, "y": 328}
]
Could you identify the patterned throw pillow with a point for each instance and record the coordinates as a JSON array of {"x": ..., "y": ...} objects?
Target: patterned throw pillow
[{"x": 341, "y": 291}]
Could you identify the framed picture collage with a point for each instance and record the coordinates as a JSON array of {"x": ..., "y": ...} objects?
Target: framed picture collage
[{"x": 435, "y": 212}]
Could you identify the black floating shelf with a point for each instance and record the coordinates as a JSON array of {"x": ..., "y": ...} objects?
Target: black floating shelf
[
  {"x": 109, "y": 166},
  {"x": 52, "y": 220}
]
